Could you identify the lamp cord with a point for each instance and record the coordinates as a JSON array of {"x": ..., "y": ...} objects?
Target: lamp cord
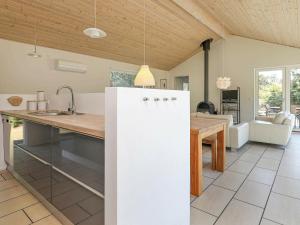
[
  {"x": 95, "y": 12},
  {"x": 35, "y": 36},
  {"x": 144, "y": 32}
]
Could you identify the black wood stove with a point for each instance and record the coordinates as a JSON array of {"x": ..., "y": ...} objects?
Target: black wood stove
[{"x": 206, "y": 106}]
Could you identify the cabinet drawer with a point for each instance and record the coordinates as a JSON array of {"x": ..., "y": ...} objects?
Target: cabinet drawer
[
  {"x": 81, "y": 157},
  {"x": 76, "y": 203},
  {"x": 34, "y": 171}
]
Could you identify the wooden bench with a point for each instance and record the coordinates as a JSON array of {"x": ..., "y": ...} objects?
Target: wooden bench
[{"x": 212, "y": 141}]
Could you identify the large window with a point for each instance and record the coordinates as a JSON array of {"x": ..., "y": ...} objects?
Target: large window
[
  {"x": 278, "y": 89},
  {"x": 269, "y": 92}
]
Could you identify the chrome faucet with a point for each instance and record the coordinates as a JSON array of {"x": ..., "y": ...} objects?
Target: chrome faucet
[{"x": 72, "y": 107}]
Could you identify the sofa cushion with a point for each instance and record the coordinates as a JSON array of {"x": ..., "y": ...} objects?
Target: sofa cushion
[
  {"x": 279, "y": 118},
  {"x": 287, "y": 121}
]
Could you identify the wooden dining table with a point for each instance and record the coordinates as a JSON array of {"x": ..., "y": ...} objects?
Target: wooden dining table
[{"x": 200, "y": 129}]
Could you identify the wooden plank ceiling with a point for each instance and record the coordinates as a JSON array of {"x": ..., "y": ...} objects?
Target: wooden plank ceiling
[
  {"x": 275, "y": 21},
  {"x": 172, "y": 34}
]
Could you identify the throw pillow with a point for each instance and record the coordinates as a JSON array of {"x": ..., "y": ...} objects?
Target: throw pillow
[{"x": 279, "y": 118}]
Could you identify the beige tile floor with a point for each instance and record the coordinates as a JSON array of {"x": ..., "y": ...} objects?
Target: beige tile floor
[
  {"x": 260, "y": 186},
  {"x": 19, "y": 207}
]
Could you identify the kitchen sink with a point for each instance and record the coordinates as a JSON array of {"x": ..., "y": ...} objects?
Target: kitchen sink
[{"x": 54, "y": 113}]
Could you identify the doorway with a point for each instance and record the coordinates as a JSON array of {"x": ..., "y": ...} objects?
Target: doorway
[{"x": 182, "y": 83}]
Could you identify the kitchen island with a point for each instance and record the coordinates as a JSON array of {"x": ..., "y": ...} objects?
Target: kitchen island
[{"x": 61, "y": 160}]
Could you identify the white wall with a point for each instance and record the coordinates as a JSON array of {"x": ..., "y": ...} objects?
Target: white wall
[
  {"x": 241, "y": 57},
  {"x": 92, "y": 103},
  {"x": 23, "y": 74}
]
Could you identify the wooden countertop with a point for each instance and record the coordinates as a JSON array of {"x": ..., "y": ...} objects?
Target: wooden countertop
[
  {"x": 94, "y": 125},
  {"x": 87, "y": 124}
]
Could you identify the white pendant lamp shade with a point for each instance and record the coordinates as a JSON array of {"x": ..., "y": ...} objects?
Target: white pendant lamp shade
[
  {"x": 94, "y": 32},
  {"x": 144, "y": 77},
  {"x": 223, "y": 82}
]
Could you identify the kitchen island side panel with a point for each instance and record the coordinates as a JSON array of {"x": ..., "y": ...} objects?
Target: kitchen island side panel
[{"x": 147, "y": 157}]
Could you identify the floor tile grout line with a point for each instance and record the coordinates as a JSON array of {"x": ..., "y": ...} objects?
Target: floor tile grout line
[
  {"x": 16, "y": 211},
  {"x": 204, "y": 211},
  {"x": 227, "y": 189},
  {"x": 227, "y": 168},
  {"x": 46, "y": 217},
  {"x": 241, "y": 186},
  {"x": 15, "y": 197},
  {"x": 271, "y": 188},
  {"x": 5, "y": 189},
  {"x": 247, "y": 202},
  {"x": 254, "y": 181},
  {"x": 238, "y": 158},
  {"x": 266, "y": 168},
  {"x": 289, "y": 177},
  {"x": 27, "y": 215},
  {"x": 214, "y": 179},
  {"x": 273, "y": 221},
  {"x": 288, "y": 196},
  {"x": 83, "y": 208}
]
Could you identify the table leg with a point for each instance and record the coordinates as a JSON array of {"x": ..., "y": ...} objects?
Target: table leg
[
  {"x": 196, "y": 164},
  {"x": 221, "y": 150}
]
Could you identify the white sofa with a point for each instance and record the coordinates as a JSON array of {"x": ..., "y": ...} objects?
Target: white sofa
[
  {"x": 236, "y": 135},
  {"x": 266, "y": 131}
]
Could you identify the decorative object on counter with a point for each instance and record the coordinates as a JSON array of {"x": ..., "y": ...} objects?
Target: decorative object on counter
[
  {"x": 163, "y": 84},
  {"x": 31, "y": 105},
  {"x": 42, "y": 105},
  {"x": 34, "y": 53},
  {"x": 122, "y": 79},
  {"x": 144, "y": 77},
  {"x": 94, "y": 32},
  {"x": 40, "y": 96},
  {"x": 15, "y": 100},
  {"x": 223, "y": 83}
]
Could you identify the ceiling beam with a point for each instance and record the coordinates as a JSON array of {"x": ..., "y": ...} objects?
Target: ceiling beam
[{"x": 205, "y": 18}]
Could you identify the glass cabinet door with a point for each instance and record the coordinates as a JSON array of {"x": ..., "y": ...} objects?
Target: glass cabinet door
[
  {"x": 32, "y": 157},
  {"x": 79, "y": 156},
  {"x": 78, "y": 177},
  {"x": 66, "y": 168}
]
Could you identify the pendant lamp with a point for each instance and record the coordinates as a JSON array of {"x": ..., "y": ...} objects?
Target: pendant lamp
[
  {"x": 34, "y": 53},
  {"x": 144, "y": 77},
  {"x": 94, "y": 32}
]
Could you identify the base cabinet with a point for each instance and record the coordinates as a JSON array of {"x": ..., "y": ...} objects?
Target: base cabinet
[
  {"x": 36, "y": 173},
  {"x": 78, "y": 204},
  {"x": 64, "y": 168}
]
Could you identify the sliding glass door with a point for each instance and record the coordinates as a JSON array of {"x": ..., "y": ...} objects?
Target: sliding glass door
[{"x": 278, "y": 89}]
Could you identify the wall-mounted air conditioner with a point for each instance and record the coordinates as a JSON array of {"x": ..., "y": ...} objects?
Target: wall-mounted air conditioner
[{"x": 69, "y": 66}]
